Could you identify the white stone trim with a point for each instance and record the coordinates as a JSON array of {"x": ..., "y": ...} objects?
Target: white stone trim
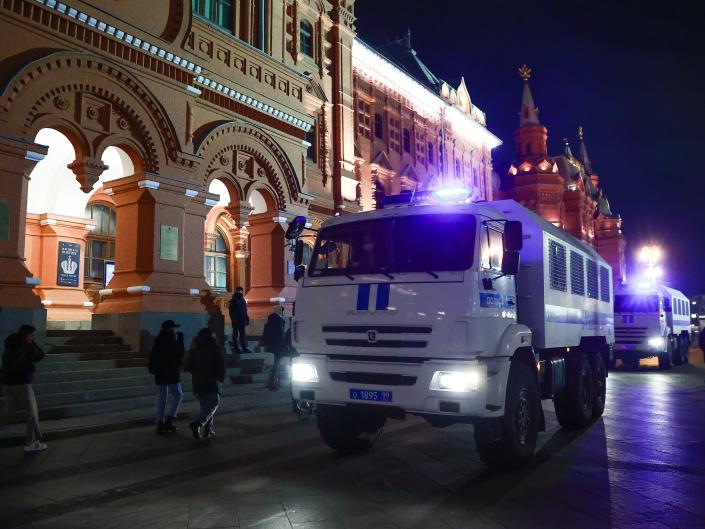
[
  {"x": 191, "y": 193},
  {"x": 88, "y": 304},
  {"x": 241, "y": 255},
  {"x": 47, "y": 222},
  {"x": 277, "y": 300},
  {"x": 211, "y": 203},
  {"x": 90, "y": 227},
  {"x": 33, "y": 281},
  {"x": 109, "y": 191},
  {"x": 47, "y": 302},
  {"x": 106, "y": 292},
  {"x": 194, "y": 291},
  {"x": 149, "y": 184},
  {"x": 194, "y": 90},
  {"x": 34, "y": 156},
  {"x": 279, "y": 219},
  {"x": 138, "y": 289}
]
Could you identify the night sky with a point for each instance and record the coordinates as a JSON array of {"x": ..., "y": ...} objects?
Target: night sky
[{"x": 630, "y": 72}]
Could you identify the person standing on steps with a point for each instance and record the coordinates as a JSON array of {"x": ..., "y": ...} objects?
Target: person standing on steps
[
  {"x": 165, "y": 365},
  {"x": 273, "y": 338},
  {"x": 207, "y": 366},
  {"x": 240, "y": 320},
  {"x": 16, "y": 374}
]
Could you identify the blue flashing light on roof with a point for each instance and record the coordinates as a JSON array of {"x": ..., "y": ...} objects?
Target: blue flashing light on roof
[{"x": 451, "y": 194}]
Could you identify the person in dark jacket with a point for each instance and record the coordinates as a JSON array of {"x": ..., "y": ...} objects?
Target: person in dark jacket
[
  {"x": 16, "y": 374},
  {"x": 240, "y": 319},
  {"x": 165, "y": 365},
  {"x": 273, "y": 339},
  {"x": 701, "y": 342},
  {"x": 207, "y": 366}
]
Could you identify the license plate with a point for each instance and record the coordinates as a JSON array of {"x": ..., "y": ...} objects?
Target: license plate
[{"x": 371, "y": 394}]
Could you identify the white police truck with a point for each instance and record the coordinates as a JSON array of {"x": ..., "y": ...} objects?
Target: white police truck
[
  {"x": 651, "y": 320},
  {"x": 426, "y": 310}
]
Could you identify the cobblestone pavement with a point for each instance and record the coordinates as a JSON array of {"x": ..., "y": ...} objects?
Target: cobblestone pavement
[{"x": 641, "y": 466}]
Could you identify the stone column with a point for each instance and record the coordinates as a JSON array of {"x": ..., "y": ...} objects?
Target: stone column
[
  {"x": 18, "y": 303},
  {"x": 158, "y": 259},
  {"x": 267, "y": 272}
]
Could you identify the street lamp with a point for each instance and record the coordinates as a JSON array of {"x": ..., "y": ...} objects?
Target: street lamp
[{"x": 651, "y": 255}]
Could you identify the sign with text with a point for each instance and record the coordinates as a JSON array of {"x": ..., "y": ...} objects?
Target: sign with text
[
  {"x": 69, "y": 264},
  {"x": 169, "y": 243}
]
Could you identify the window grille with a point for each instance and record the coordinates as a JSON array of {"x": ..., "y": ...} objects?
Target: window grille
[
  {"x": 557, "y": 269},
  {"x": 592, "y": 279},
  {"x": 577, "y": 273},
  {"x": 604, "y": 283}
]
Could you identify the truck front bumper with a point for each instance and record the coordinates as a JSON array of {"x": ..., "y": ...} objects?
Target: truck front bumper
[{"x": 410, "y": 387}]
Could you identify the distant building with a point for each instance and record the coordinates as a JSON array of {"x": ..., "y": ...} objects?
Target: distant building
[{"x": 563, "y": 189}]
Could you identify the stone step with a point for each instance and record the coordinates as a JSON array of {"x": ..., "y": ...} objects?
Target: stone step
[
  {"x": 87, "y": 374},
  {"x": 122, "y": 404},
  {"x": 81, "y": 340},
  {"x": 53, "y": 333},
  {"x": 52, "y": 358},
  {"x": 49, "y": 388},
  {"x": 89, "y": 348},
  {"x": 90, "y": 365}
]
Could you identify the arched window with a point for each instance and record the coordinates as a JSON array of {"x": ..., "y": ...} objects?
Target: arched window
[
  {"x": 216, "y": 263},
  {"x": 100, "y": 244},
  {"x": 406, "y": 140},
  {"x": 430, "y": 152},
  {"x": 379, "y": 133},
  {"x": 306, "y": 38}
]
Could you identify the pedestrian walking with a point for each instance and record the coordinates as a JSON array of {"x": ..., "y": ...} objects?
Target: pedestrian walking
[
  {"x": 240, "y": 319},
  {"x": 16, "y": 374},
  {"x": 205, "y": 361},
  {"x": 273, "y": 338},
  {"x": 701, "y": 342},
  {"x": 165, "y": 364}
]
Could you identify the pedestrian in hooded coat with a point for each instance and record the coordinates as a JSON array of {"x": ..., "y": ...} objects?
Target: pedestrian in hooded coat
[
  {"x": 240, "y": 319},
  {"x": 16, "y": 374},
  {"x": 165, "y": 365},
  {"x": 207, "y": 366},
  {"x": 273, "y": 338}
]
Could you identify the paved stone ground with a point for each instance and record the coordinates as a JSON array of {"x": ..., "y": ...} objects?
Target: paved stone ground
[{"x": 641, "y": 466}]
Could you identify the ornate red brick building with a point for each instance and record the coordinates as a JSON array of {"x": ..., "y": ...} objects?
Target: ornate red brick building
[{"x": 563, "y": 189}]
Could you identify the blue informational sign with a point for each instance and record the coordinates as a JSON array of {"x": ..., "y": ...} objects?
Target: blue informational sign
[{"x": 69, "y": 265}]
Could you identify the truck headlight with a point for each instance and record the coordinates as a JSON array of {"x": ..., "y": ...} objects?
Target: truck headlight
[
  {"x": 301, "y": 372},
  {"x": 458, "y": 381},
  {"x": 656, "y": 342}
]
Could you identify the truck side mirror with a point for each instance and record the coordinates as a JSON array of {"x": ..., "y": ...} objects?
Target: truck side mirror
[
  {"x": 510, "y": 262},
  {"x": 513, "y": 236},
  {"x": 299, "y": 272},
  {"x": 299, "y": 252}
]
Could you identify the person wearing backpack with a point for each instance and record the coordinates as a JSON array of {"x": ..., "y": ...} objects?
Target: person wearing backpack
[
  {"x": 16, "y": 374},
  {"x": 273, "y": 339},
  {"x": 165, "y": 365},
  {"x": 205, "y": 361}
]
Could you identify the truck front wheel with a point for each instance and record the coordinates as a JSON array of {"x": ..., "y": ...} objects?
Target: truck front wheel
[
  {"x": 574, "y": 406},
  {"x": 348, "y": 430},
  {"x": 599, "y": 385},
  {"x": 509, "y": 441},
  {"x": 664, "y": 359}
]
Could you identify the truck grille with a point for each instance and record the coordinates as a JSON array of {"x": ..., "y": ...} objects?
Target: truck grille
[
  {"x": 384, "y": 379},
  {"x": 369, "y": 333},
  {"x": 630, "y": 335},
  {"x": 382, "y": 329},
  {"x": 342, "y": 342}
]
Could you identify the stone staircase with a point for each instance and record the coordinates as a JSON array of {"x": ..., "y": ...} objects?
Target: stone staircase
[{"x": 91, "y": 372}]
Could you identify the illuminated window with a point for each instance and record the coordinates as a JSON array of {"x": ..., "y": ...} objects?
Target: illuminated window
[
  {"x": 219, "y": 12},
  {"x": 492, "y": 249},
  {"x": 100, "y": 244},
  {"x": 364, "y": 121},
  {"x": 306, "y": 38},
  {"x": 379, "y": 132},
  {"x": 215, "y": 266},
  {"x": 407, "y": 140}
]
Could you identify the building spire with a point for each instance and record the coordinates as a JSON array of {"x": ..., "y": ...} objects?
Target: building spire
[
  {"x": 568, "y": 152},
  {"x": 583, "y": 152},
  {"x": 529, "y": 114}
]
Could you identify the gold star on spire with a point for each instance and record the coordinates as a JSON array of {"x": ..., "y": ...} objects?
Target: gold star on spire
[
  {"x": 524, "y": 72},
  {"x": 580, "y": 133}
]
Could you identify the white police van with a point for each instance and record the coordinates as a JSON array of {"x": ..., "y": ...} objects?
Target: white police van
[
  {"x": 425, "y": 310},
  {"x": 651, "y": 320}
]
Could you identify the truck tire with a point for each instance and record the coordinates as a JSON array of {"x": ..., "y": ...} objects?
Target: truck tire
[
  {"x": 664, "y": 359},
  {"x": 574, "y": 406},
  {"x": 599, "y": 385},
  {"x": 348, "y": 430},
  {"x": 508, "y": 442},
  {"x": 686, "y": 348},
  {"x": 677, "y": 357}
]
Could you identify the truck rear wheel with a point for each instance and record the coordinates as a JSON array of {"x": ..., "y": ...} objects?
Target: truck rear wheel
[
  {"x": 348, "y": 430},
  {"x": 574, "y": 406},
  {"x": 509, "y": 441},
  {"x": 600, "y": 385},
  {"x": 664, "y": 359}
]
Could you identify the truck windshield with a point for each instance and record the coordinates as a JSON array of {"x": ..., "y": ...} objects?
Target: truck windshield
[
  {"x": 625, "y": 303},
  {"x": 411, "y": 243}
]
